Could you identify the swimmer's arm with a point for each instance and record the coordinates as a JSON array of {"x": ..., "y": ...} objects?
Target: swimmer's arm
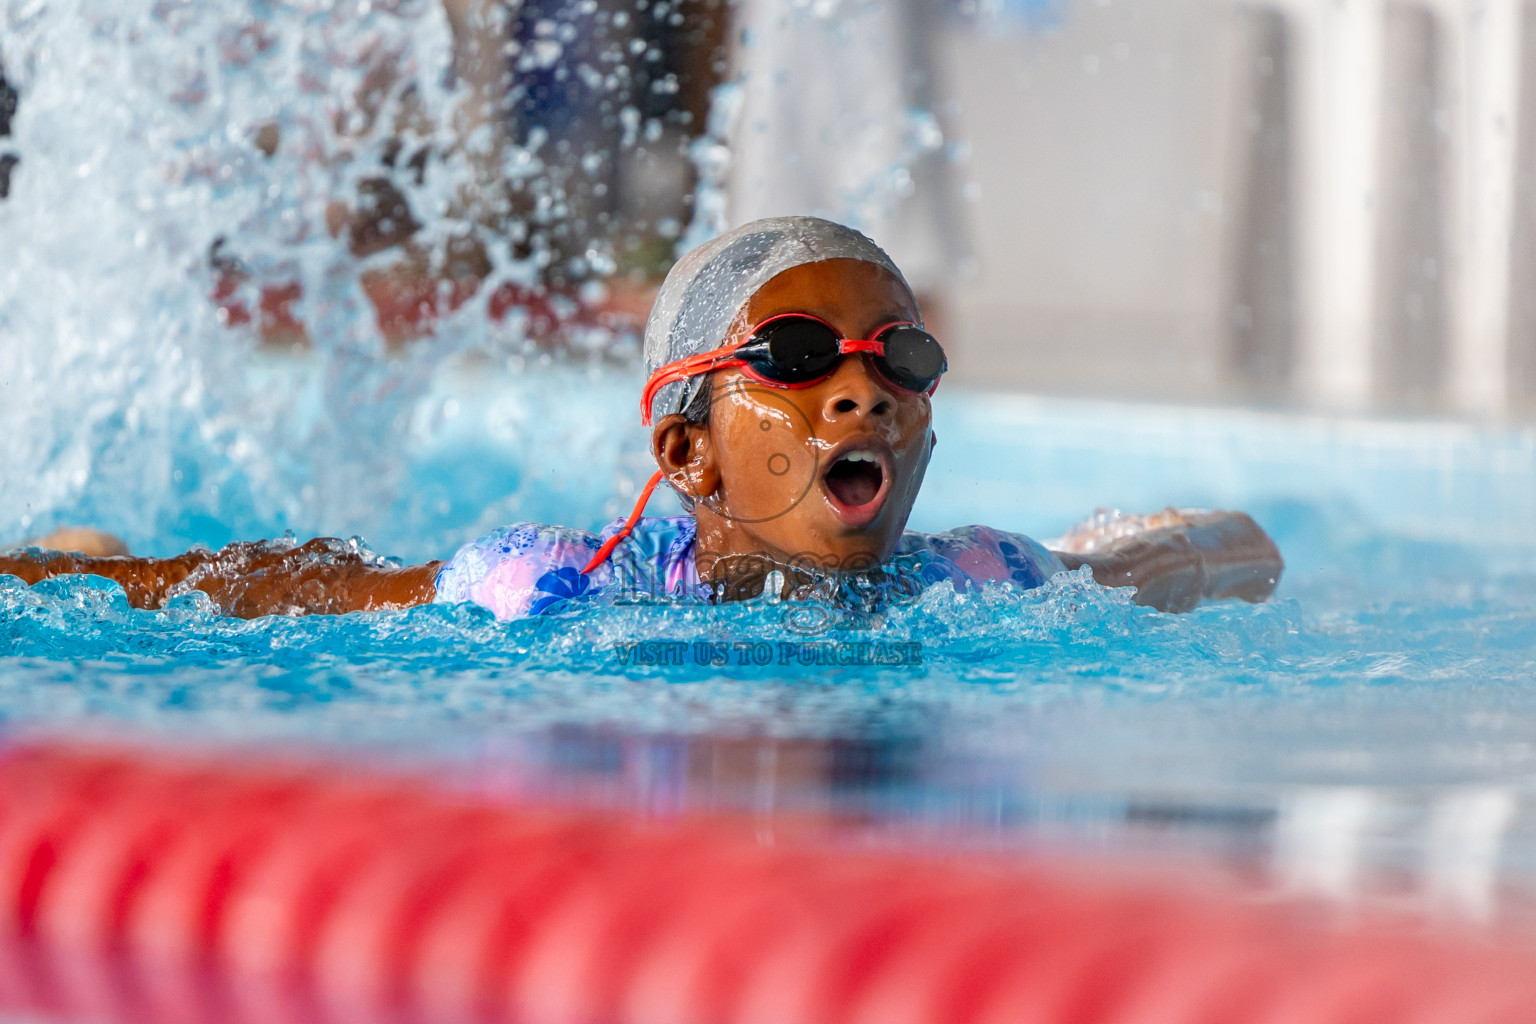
[
  {"x": 144, "y": 580},
  {"x": 247, "y": 580},
  {"x": 1212, "y": 556}
]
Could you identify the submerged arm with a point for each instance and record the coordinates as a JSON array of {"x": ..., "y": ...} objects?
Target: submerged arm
[
  {"x": 1183, "y": 558},
  {"x": 322, "y": 577}
]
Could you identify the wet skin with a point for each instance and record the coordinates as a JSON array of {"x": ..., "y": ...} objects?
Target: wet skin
[
  {"x": 758, "y": 469},
  {"x": 247, "y": 579}
]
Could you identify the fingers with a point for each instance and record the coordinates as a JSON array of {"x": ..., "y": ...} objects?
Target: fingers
[
  {"x": 1166, "y": 570},
  {"x": 1241, "y": 560}
]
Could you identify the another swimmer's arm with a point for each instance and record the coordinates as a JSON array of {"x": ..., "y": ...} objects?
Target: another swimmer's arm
[
  {"x": 248, "y": 580},
  {"x": 1212, "y": 556}
]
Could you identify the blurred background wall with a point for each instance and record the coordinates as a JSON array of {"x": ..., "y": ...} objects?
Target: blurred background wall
[
  {"x": 1324, "y": 203},
  {"x": 1314, "y": 203}
]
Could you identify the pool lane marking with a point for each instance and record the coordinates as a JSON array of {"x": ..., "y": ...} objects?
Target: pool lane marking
[
  {"x": 1463, "y": 837},
  {"x": 1319, "y": 838}
]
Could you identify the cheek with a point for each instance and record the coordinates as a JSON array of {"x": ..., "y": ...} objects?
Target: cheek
[
  {"x": 916, "y": 468},
  {"x": 914, "y": 426},
  {"x": 913, "y": 445},
  {"x": 917, "y": 413},
  {"x": 767, "y": 451}
]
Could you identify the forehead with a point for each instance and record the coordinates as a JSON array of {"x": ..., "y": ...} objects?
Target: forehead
[{"x": 852, "y": 295}]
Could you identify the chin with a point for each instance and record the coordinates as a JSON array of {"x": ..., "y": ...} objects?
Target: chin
[{"x": 874, "y": 543}]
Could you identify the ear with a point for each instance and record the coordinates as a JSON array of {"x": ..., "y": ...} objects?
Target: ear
[{"x": 685, "y": 455}]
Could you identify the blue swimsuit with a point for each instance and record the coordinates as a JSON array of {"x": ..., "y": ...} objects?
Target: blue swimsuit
[{"x": 527, "y": 569}]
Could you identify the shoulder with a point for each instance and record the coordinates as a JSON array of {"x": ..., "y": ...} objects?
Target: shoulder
[
  {"x": 513, "y": 569},
  {"x": 655, "y": 537},
  {"x": 656, "y": 560},
  {"x": 982, "y": 553}
]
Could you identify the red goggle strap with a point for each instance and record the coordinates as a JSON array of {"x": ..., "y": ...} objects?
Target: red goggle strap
[
  {"x": 682, "y": 369},
  {"x": 629, "y": 524}
]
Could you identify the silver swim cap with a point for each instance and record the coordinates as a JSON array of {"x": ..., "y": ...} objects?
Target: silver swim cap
[{"x": 708, "y": 288}]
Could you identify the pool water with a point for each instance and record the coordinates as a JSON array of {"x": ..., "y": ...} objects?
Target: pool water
[{"x": 1377, "y": 717}]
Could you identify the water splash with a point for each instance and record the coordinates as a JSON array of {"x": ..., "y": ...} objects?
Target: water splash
[
  {"x": 1063, "y": 633},
  {"x": 203, "y": 183}
]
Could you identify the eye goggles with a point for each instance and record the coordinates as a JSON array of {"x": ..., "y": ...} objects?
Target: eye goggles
[{"x": 796, "y": 350}]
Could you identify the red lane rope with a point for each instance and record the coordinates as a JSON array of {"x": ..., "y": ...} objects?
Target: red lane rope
[{"x": 153, "y": 889}]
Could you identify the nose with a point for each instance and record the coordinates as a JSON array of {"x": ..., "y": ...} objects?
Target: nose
[{"x": 855, "y": 389}]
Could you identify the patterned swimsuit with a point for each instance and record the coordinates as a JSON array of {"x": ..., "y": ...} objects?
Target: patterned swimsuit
[{"x": 527, "y": 569}]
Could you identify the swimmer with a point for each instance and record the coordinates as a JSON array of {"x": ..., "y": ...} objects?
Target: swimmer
[{"x": 788, "y": 398}]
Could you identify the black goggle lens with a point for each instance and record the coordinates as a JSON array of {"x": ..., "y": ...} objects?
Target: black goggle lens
[
  {"x": 794, "y": 350},
  {"x": 913, "y": 358}
]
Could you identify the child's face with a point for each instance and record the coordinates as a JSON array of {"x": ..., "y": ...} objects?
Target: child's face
[{"x": 830, "y": 470}]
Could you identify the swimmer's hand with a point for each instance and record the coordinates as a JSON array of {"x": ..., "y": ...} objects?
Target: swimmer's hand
[
  {"x": 322, "y": 577},
  {"x": 1178, "y": 557}
]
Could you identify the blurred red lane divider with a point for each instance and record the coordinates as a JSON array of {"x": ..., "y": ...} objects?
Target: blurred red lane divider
[{"x": 179, "y": 890}]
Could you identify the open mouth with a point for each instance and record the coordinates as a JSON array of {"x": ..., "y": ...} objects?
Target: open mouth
[{"x": 856, "y": 483}]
